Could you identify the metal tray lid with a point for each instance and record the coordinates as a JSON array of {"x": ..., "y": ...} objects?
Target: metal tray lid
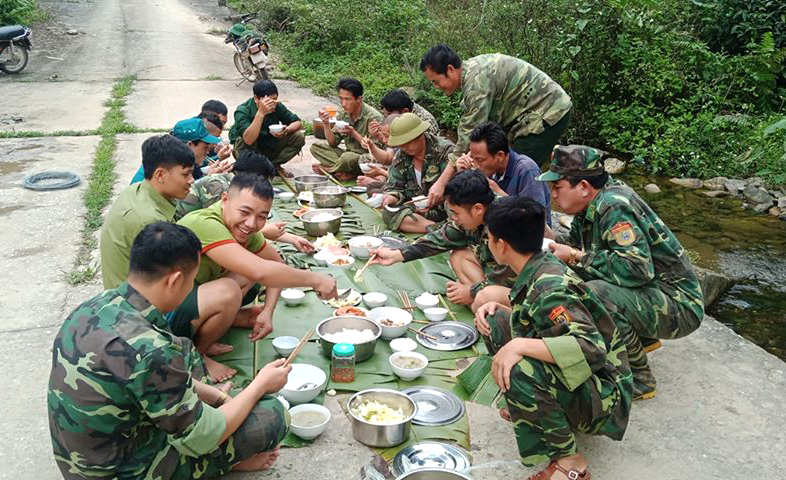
[
  {"x": 430, "y": 455},
  {"x": 450, "y": 336},
  {"x": 436, "y": 406}
]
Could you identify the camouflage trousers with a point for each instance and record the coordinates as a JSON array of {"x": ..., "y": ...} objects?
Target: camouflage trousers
[
  {"x": 285, "y": 150},
  {"x": 263, "y": 429},
  {"x": 546, "y": 415},
  {"x": 393, "y": 220},
  {"x": 338, "y": 160}
]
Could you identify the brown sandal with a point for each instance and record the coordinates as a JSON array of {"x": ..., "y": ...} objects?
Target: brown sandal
[{"x": 554, "y": 467}]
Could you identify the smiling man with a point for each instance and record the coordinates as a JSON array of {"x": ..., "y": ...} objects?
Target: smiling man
[{"x": 234, "y": 250}]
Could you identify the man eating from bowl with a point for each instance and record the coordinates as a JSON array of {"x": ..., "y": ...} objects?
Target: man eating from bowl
[
  {"x": 233, "y": 247},
  {"x": 418, "y": 164},
  {"x": 354, "y": 127}
]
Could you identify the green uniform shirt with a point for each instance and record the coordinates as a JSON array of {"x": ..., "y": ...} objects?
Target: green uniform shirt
[
  {"x": 208, "y": 225},
  {"x": 244, "y": 115},
  {"x": 204, "y": 192},
  {"x": 551, "y": 302},
  {"x": 367, "y": 115},
  {"x": 451, "y": 236},
  {"x": 628, "y": 245},
  {"x": 508, "y": 91},
  {"x": 137, "y": 206},
  {"x": 402, "y": 182},
  {"x": 121, "y": 397}
]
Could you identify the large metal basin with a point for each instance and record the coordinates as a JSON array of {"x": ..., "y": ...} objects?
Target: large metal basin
[
  {"x": 375, "y": 435},
  {"x": 305, "y": 183},
  {"x": 433, "y": 474},
  {"x": 318, "y": 229},
  {"x": 331, "y": 196},
  {"x": 363, "y": 351}
]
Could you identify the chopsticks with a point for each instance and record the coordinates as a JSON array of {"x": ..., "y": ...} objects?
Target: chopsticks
[
  {"x": 299, "y": 347},
  {"x": 360, "y": 272},
  {"x": 403, "y": 297},
  {"x": 418, "y": 332}
]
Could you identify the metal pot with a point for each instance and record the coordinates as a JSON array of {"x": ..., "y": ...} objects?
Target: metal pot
[
  {"x": 330, "y": 197},
  {"x": 305, "y": 183},
  {"x": 382, "y": 435},
  {"x": 363, "y": 351},
  {"x": 433, "y": 473},
  {"x": 318, "y": 229}
]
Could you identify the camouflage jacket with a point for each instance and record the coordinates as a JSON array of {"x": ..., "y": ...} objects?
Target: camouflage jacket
[
  {"x": 121, "y": 398},
  {"x": 451, "y": 236},
  {"x": 510, "y": 92},
  {"x": 367, "y": 115},
  {"x": 628, "y": 245},
  {"x": 204, "y": 192},
  {"x": 402, "y": 182},
  {"x": 427, "y": 117},
  {"x": 551, "y": 302}
]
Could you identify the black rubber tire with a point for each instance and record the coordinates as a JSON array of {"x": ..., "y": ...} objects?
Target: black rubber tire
[
  {"x": 22, "y": 51},
  {"x": 68, "y": 180},
  {"x": 244, "y": 67}
]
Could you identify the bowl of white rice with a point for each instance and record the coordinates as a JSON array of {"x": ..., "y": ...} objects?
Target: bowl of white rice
[{"x": 358, "y": 331}]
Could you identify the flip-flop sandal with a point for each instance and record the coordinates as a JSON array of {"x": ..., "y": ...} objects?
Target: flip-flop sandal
[
  {"x": 505, "y": 414},
  {"x": 554, "y": 467}
]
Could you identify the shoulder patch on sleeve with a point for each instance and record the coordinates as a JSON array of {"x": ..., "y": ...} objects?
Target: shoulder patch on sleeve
[
  {"x": 623, "y": 233},
  {"x": 559, "y": 315}
]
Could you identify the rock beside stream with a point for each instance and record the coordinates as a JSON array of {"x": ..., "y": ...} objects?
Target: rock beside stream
[
  {"x": 758, "y": 196},
  {"x": 715, "y": 183},
  {"x": 687, "y": 182},
  {"x": 653, "y": 189},
  {"x": 713, "y": 284},
  {"x": 717, "y": 193},
  {"x": 734, "y": 185}
]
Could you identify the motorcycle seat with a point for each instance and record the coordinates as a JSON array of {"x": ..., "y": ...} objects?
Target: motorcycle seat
[{"x": 11, "y": 31}]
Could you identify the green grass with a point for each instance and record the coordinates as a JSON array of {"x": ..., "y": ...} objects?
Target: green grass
[
  {"x": 212, "y": 77},
  {"x": 102, "y": 178}
]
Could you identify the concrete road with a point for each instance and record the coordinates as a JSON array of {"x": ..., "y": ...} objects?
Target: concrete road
[{"x": 718, "y": 413}]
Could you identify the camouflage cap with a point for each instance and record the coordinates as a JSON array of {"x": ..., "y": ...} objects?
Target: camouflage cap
[{"x": 574, "y": 160}]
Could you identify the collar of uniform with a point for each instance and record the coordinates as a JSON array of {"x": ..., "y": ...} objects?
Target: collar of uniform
[
  {"x": 513, "y": 159},
  {"x": 165, "y": 206},
  {"x": 526, "y": 275},
  {"x": 140, "y": 303},
  {"x": 593, "y": 205}
]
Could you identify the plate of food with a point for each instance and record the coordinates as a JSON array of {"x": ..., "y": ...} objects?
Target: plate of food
[
  {"x": 301, "y": 211},
  {"x": 351, "y": 300},
  {"x": 350, "y": 312}
]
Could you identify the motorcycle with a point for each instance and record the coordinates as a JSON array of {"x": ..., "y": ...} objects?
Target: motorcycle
[
  {"x": 14, "y": 45},
  {"x": 251, "y": 50}
]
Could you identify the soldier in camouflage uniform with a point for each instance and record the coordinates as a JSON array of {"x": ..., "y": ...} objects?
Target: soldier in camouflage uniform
[
  {"x": 124, "y": 397},
  {"x": 625, "y": 253},
  {"x": 558, "y": 356},
  {"x": 467, "y": 196},
  {"x": 420, "y": 161}
]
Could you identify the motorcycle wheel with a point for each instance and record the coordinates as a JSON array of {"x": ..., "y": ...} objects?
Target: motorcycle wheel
[
  {"x": 13, "y": 59},
  {"x": 245, "y": 67},
  {"x": 261, "y": 73}
]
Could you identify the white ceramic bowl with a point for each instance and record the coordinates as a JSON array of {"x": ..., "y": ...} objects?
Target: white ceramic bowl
[
  {"x": 284, "y": 345},
  {"x": 286, "y": 196},
  {"x": 322, "y": 257},
  {"x": 283, "y": 401},
  {"x": 405, "y": 344},
  {"x": 423, "y": 303},
  {"x": 408, "y": 373},
  {"x": 365, "y": 167},
  {"x": 350, "y": 262},
  {"x": 360, "y": 246},
  {"x": 277, "y": 128},
  {"x": 375, "y": 201},
  {"x": 300, "y": 374},
  {"x": 401, "y": 316},
  {"x": 546, "y": 243},
  {"x": 421, "y": 201},
  {"x": 375, "y": 299},
  {"x": 309, "y": 433},
  {"x": 293, "y": 296},
  {"x": 341, "y": 124},
  {"x": 436, "y": 314}
]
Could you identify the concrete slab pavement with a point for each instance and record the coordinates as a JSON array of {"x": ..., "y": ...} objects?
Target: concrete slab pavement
[{"x": 41, "y": 106}]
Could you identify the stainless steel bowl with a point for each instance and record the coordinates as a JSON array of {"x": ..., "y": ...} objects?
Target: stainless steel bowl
[
  {"x": 306, "y": 183},
  {"x": 363, "y": 351},
  {"x": 330, "y": 197},
  {"x": 318, "y": 229},
  {"x": 434, "y": 474},
  {"x": 382, "y": 435}
]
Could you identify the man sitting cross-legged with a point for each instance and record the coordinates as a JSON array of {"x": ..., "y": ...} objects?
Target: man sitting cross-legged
[
  {"x": 558, "y": 356},
  {"x": 122, "y": 399},
  {"x": 234, "y": 250},
  {"x": 467, "y": 196}
]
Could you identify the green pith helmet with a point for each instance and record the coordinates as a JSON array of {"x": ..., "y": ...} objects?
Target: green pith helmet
[{"x": 238, "y": 29}]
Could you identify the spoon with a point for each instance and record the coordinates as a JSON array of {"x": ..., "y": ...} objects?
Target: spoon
[{"x": 307, "y": 386}]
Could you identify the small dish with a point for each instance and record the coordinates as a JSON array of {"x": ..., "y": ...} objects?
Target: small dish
[
  {"x": 375, "y": 201},
  {"x": 350, "y": 312},
  {"x": 358, "y": 189},
  {"x": 426, "y": 300},
  {"x": 305, "y": 412},
  {"x": 436, "y": 314},
  {"x": 394, "y": 321},
  {"x": 341, "y": 124},
  {"x": 322, "y": 257},
  {"x": 343, "y": 262},
  {"x": 420, "y": 201},
  {"x": 293, "y": 296},
  {"x": 365, "y": 167},
  {"x": 284, "y": 345},
  {"x": 406, "y": 373},
  {"x": 403, "y": 345},
  {"x": 375, "y": 299},
  {"x": 286, "y": 196},
  {"x": 277, "y": 128}
]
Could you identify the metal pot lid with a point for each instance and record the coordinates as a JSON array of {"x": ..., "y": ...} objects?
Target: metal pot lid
[
  {"x": 430, "y": 455},
  {"x": 393, "y": 242},
  {"x": 450, "y": 336},
  {"x": 436, "y": 406},
  {"x": 358, "y": 189}
]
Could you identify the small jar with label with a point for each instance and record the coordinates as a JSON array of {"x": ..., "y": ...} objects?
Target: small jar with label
[{"x": 342, "y": 366}]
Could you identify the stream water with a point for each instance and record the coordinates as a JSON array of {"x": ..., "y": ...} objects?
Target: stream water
[{"x": 749, "y": 247}]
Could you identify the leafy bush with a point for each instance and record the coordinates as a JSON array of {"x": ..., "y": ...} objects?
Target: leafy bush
[
  {"x": 18, "y": 11},
  {"x": 731, "y": 25}
]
